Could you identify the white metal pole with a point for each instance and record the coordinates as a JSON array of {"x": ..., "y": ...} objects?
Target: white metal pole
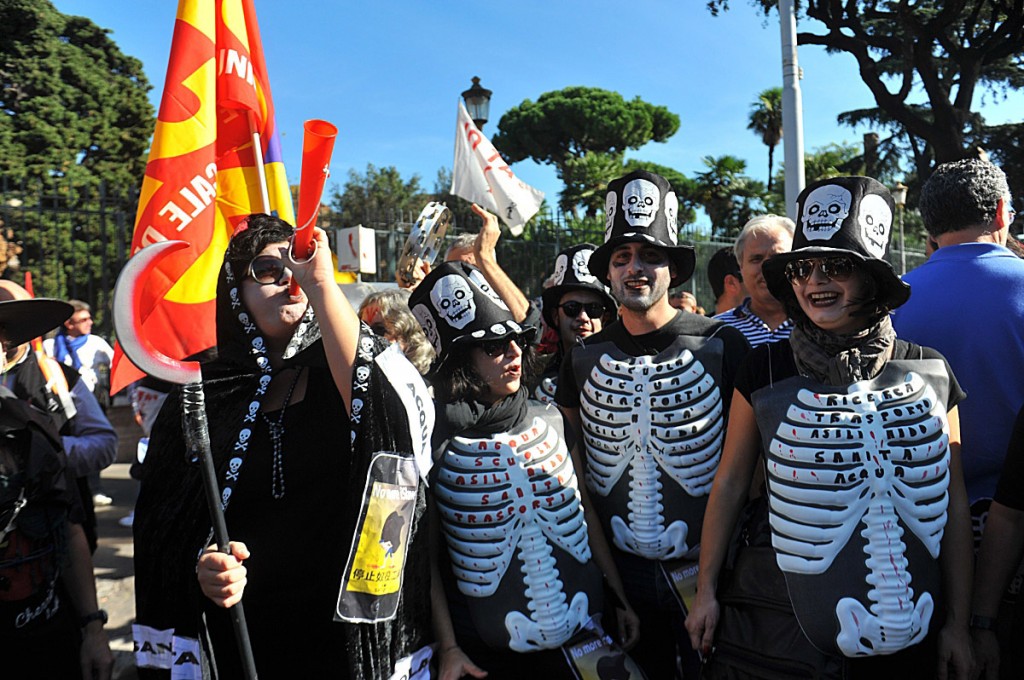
[
  {"x": 257, "y": 151},
  {"x": 792, "y": 108}
]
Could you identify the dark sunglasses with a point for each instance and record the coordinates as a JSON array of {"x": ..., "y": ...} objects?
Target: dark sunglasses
[
  {"x": 835, "y": 268},
  {"x": 573, "y": 308},
  {"x": 266, "y": 270},
  {"x": 497, "y": 348}
]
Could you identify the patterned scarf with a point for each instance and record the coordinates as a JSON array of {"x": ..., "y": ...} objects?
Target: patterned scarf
[{"x": 842, "y": 359}]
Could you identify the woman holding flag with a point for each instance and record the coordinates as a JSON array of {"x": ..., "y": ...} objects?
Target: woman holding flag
[{"x": 295, "y": 383}]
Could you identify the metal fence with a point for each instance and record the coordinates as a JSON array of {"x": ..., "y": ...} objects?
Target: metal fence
[{"x": 73, "y": 239}]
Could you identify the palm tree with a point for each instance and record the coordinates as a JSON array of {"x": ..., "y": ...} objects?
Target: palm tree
[{"x": 766, "y": 121}]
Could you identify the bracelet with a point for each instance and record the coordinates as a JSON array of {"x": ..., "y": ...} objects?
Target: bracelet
[
  {"x": 98, "y": 615},
  {"x": 982, "y": 622}
]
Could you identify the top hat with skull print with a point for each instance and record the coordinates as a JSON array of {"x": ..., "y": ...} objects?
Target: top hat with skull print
[
  {"x": 572, "y": 272},
  {"x": 642, "y": 208},
  {"x": 843, "y": 216},
  {"x": 456, "y": 306}
]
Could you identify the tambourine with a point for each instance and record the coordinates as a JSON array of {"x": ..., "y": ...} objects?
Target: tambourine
[{"x": 424, "y": 238}]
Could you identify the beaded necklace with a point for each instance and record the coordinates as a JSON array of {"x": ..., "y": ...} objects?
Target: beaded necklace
[{"x": 277, "y": 486}]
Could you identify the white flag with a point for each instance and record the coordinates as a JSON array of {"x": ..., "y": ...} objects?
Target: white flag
[{"x": 481, "y": 176}]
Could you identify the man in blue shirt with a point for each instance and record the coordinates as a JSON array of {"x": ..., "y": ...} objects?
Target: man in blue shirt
[{"x": 967, "y": 301}]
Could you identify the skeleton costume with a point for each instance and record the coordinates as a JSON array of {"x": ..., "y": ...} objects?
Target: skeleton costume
[
  {"x": 518, "y": 573},
  {"x": 653, "y": 411},
  {"x": 856, "y": 457},
  {"x": 572, "y": 273},
  {"x": 306, "y": 477}
]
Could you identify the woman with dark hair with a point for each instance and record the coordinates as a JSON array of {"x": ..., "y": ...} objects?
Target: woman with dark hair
[
  {"x": 855, "y": 560},
  {"x": 522, "y": 573},
  {"x": 291, "y": 397}
]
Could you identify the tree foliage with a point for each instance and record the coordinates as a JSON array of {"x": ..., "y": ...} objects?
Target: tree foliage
[
  {"x": 75, "y": 125},
  {"x": 949, "y": 51},
  {"x": 584, "y": 132},
  {"x": 378, "y": 195},
  {"x": 766, "y": 122},
  {"x": 729, "y": 197}
]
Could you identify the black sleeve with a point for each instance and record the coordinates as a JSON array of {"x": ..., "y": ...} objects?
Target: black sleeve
[
  {"x": 533, "y": 318},
  {"x": 736, "y": 350},
  {"x": 568, "y": 393},
  {"x": 758, "y": 366},
  {"x": 1010, "y": 490},
  {"x": 956, "y": 393}
]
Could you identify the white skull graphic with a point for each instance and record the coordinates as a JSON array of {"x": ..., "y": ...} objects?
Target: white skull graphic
[
  {"x": 264, "y": 382},
  {"x": 875, "y": 219},
  {"x": 257, "y": 344},
  {"x": 422, "y": 315},
  {"x": 824, "y": 211},
  {"x": 476, "y": 277},
  {"x": 357, "y": 406},
  {"x": 561, "y": 264},
  {"x": 234, "y": 298},
  {"x": 581, "y": 266},
  {"x": 366, "y": 345},
  {"x": 263, "y": 363},
  {"x": 610, "y": 202},
  {"x": 234, "y": 464},
  {"x": 453, "y": 300},
  {"x": 671, "y": 215},
  {"x": 640, "y": 201},
  {"x": 254, "y": 407},
  {"x": 362, "y": 374},
  {"x": 244, "y": 435},
  {"x": 225, "y": 496}
]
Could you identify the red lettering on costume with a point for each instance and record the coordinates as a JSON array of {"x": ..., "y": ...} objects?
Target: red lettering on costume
[{"x": 484, "y": 499}]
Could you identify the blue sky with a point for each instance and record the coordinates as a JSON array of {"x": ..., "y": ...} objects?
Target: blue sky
[{"x": 389, "y": 74}]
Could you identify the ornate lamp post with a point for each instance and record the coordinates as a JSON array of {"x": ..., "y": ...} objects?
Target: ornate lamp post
[
  {"x": 899, "y": 196},
  {"x": 478, "y": 103}
]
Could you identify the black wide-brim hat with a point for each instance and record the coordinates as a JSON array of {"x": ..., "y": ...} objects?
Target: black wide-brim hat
[
  {"x": 642, "y": 208},
  {"x": 572, "y": 272},
  {"x": 456, "y": 307},
  {"x": 839, "y": 216},
  {"x": 24, "y": 320}
]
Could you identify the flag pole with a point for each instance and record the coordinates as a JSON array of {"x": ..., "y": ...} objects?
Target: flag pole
[
  {"x": 257, "y": 152},
  {"x": 792, "y": 108}
]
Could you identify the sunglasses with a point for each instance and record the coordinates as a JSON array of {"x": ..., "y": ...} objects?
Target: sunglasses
[
  {"x": 834, "y": 268},
  {"x": 266, "y": 270},
  {"x": 497, "y": 348},
  {"x": 573, "y": 308}
]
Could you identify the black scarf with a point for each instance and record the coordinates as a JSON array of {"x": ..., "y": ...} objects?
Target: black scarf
[
  {"x": 475, "y": 419},
  {"x": 842, "y": 359}
]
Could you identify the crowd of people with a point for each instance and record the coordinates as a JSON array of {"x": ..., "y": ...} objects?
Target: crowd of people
[{"x": 823, "y": 477}]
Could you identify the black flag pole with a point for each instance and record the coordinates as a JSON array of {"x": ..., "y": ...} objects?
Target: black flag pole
[{"x": 188, "y": 374}]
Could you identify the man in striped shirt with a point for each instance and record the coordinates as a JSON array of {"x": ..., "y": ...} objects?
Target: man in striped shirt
[{"x": 760, "y": 317}]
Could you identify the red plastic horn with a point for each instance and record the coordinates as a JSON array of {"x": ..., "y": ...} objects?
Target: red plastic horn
[{"x": 317, "y": 146}]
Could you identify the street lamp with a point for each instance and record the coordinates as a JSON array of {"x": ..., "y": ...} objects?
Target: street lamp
[
  {"x": 478, "y": 103},
  {"x": 899, "y": 195}
]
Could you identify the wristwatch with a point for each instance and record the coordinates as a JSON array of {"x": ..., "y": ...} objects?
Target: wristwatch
[
  {"x": 98, "y": 615},
  {"x": 982, "y": 622}
]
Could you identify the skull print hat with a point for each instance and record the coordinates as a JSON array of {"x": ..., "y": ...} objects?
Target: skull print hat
[
  {"x": 572, "y": 272},
  {"x": 456, "y": 306},
  {"x": 642, "y": 208},
  {"x": 843, "y": 216}
]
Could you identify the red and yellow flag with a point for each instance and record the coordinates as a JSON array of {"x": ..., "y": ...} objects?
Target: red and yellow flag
[{"x": 202, "y": 175}]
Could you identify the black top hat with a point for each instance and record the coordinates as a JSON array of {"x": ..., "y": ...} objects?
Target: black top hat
[
  {"x": 572, "y": 272},
  {"x": 722, "y": 264},
  {"x": 23, "y": 320},
  {"x": 456, "y": 306},
  {"x": 843, "y": 216},
  {"x": 642, "y": 208}
]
